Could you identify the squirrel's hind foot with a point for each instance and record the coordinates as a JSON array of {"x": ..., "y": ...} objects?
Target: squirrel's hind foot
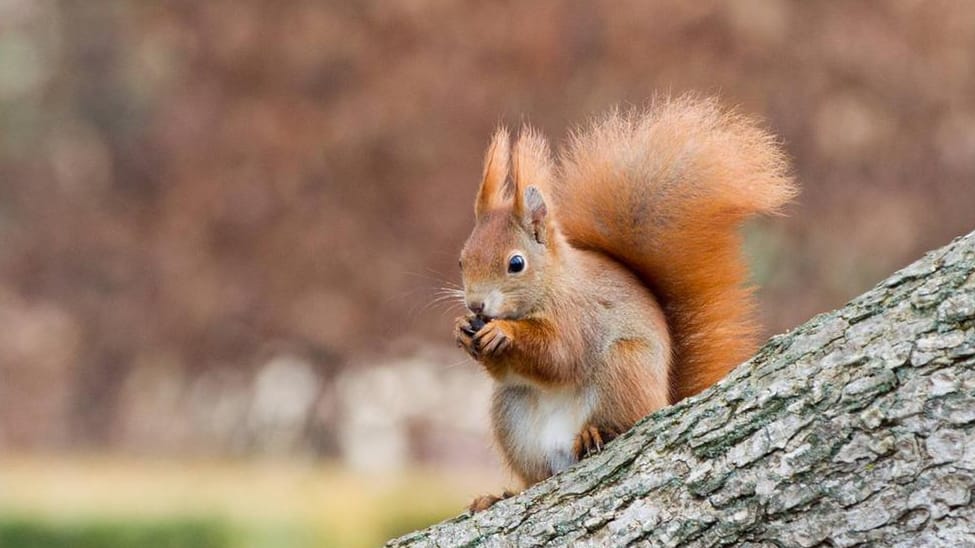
[
  {"x": 591, "y": 441},
  {"x": 484, "y": 502}
]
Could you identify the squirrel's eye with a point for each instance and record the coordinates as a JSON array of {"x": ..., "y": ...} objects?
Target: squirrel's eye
[
  {"x": 516, "y": 264},
  {"x": 460, "y": 264}
]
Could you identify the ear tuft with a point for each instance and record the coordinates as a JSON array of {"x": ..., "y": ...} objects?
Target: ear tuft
[
  {"x": 496, "y": 165},
  {"x": 533, "y": 170},
  {"x": 532, "y": 160}
]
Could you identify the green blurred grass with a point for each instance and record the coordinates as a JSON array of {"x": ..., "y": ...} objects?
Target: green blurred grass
[
  {"x": 109, "y": 502},
  {"x": 27, "y": 532}
]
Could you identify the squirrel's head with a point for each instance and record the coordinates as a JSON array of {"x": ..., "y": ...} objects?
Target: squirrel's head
[{"x": 508, "y": 258}]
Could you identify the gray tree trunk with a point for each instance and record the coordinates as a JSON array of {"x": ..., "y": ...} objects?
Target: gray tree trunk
[{"x": 857, "y": 427}]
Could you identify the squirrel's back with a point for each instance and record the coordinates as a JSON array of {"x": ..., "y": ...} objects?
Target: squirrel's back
[{"x": 663, "y": 191}]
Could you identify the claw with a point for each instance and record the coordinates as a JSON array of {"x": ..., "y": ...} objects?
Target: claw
[
  {"x": 590, "y": 441},
  {"x": 492, "y": 339},
  {"x": 472, "y": 325}
]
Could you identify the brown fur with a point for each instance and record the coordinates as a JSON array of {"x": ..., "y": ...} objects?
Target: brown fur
[{"x": 633, "y": 295}]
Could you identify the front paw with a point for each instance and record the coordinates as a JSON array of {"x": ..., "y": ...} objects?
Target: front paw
[
  {"x": 493, "y": 339},
  {"x": 464, "y": 330}
]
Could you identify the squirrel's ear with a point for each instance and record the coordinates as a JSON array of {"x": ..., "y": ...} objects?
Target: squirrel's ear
[
  {"x": 491, "y": 194},
  {"x": 536, "y": 214}
]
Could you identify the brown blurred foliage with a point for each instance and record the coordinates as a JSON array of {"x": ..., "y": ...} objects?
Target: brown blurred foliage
[{"x": 192, "y": 188}]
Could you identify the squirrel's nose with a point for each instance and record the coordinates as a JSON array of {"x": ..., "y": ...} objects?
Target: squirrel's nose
[{"x": 476, "y": 306}]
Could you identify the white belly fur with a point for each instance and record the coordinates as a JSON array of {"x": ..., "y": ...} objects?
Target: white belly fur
[{"x": 543, "y": 424}]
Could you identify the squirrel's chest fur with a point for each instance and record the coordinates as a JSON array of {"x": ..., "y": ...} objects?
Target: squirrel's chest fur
[{"x": 537, "y": 426}]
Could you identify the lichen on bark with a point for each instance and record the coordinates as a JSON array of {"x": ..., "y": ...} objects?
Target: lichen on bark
[{"x": 857, "y": 427}]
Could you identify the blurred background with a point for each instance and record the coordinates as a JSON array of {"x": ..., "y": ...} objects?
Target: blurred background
[{"x": 223, "y": 226}]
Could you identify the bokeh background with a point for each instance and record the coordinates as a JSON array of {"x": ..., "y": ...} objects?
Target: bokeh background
[{"x": 223, "y": 226}]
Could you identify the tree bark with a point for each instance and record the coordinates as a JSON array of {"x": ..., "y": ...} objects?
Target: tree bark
[{"x": 857, "y": 427}]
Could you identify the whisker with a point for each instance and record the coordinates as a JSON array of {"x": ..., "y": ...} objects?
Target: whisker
[
  {"x": 453, "y": 291},
  {"x": 451, "y": 302},
  {"x": 446, "y": 297},
  {"x": 452, "y": 298},
  {"x": 431, "y": 275},
  {"x": 463, "y": 361}
]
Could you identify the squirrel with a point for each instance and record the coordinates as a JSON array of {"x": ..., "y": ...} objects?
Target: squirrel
[{"x": 611, "y": 284}]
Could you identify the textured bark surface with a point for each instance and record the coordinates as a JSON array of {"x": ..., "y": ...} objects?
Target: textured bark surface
[{"x": 857, "y": 427}]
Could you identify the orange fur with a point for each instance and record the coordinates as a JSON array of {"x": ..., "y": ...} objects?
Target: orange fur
[{"x": 663, "y": 192}]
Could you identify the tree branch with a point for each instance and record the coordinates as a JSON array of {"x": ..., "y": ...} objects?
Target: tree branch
[{"x": 858, "y": 426}]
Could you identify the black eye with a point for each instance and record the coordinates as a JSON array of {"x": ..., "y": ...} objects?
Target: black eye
[{"x": 516, "y": 264}]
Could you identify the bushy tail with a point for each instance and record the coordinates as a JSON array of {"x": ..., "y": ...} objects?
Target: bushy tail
[{"x": 663, "y": 191}]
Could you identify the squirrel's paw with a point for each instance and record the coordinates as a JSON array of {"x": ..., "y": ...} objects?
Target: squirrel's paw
[
  {"x": 486, "y": 501},
  {"x": 464, "y": 329},
  {"x": 591, "y": 441},
  {"x": 493, "y": 339}
]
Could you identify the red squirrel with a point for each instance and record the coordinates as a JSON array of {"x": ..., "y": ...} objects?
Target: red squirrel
[{"x": 611, "y": 284}]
